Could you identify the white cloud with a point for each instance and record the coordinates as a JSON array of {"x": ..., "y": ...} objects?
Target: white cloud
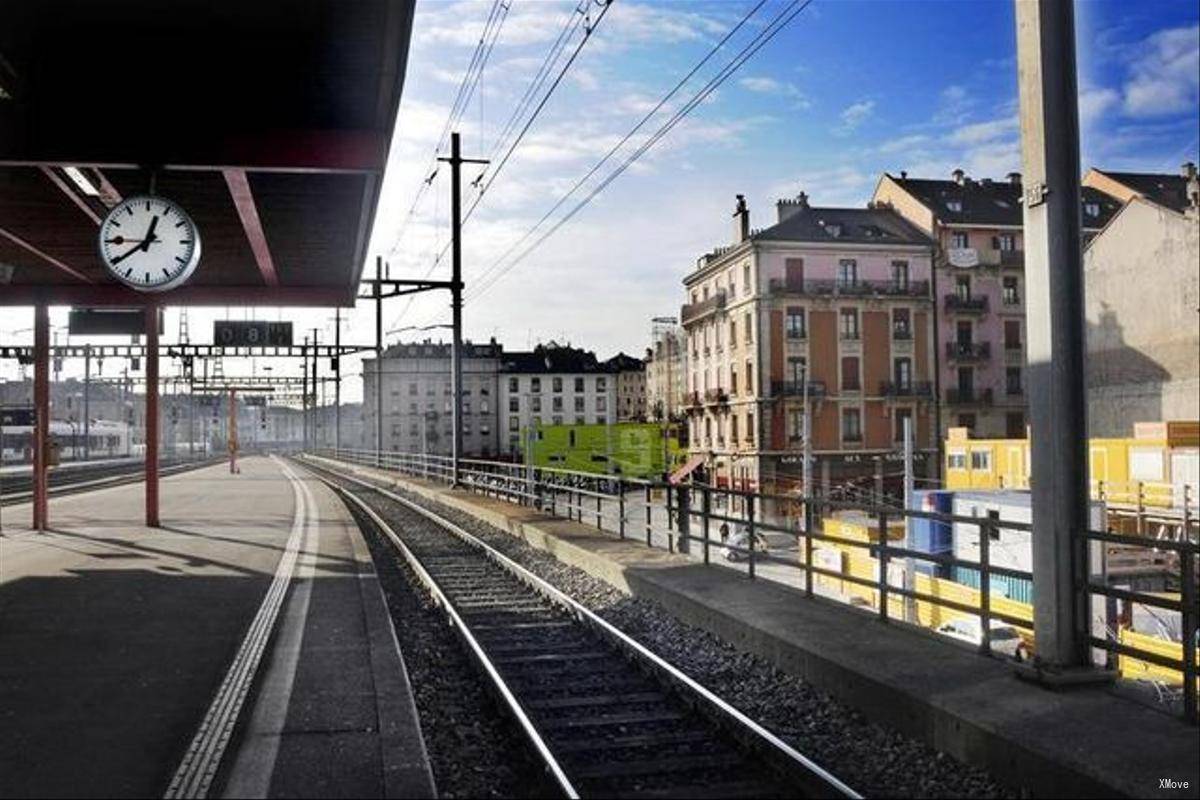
[
  {"x": 1093, "y": 103},
  {"x": 981, "y": 132},
  {"x": 854, "y": 115},
  {"x": 770, "y": 86},
  {"x": 954, "y": 104},
  {"x": 903, "y": 144},
  {"x": 1165, "y": 77}
]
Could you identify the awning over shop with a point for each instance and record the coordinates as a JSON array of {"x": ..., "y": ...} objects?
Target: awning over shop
[{"x": 678, "y": 476}]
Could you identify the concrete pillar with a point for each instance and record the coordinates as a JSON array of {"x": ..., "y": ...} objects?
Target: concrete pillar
[
  {"x": 151, "y": 416},
  {"x": 41, "y": 404}
]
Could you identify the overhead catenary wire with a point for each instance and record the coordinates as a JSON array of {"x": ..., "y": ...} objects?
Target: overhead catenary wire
[{"x": 781, "y": 20}]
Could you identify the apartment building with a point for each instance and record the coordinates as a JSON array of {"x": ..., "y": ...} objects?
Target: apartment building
[
  {"x": 417, "y": 406},
  {"x": 629, "y": 374},
  {"x": 1142, "y": 287},
  {"x": 666, "y": 371},
  {"x": 829, "y": 307},
  {"x": 979, "y": 291},
  {"x": 554, "y": 385}
]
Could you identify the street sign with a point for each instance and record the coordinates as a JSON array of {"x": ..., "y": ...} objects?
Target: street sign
[
  {"x": 17, "y": 417},
  {"x": 239, "y": 333},
  {"x": 108, "y": 323}
]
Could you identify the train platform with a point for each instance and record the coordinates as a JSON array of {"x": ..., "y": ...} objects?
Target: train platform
[
  {"x": 242, "y": 649},
  {"x": 1084, "y": 741}
]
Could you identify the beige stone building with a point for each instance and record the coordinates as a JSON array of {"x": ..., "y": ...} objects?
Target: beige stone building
[
  {"x": 629, "y": 373},
  {"x": 1142, "y": 279},
  {"x": 666, "y": 371}
]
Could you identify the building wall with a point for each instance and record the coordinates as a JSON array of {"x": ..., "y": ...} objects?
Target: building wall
[
  {"x": 666, "y": 374},
  {"x": 631, "y": 395},
  {"x": 1142, "y": 289},
  {"x": 530, "y": 400}
]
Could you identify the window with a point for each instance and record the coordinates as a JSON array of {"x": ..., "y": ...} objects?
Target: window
[
  {"x": 1091, "y": 209},
  {"x": 601, "y": 384},
  {"x": 732, "y": 333},
  {"x": 485, "y": 428},
  {"x": 851, "y": 425},
  {"x": 900, "y": 275},
  {"x": 750, "y": 427},
  {"x": 537, "y": 403},
  {"x": 850, "y": 376},
  {"x": 902, "y": 373},
  {"x": 1006, "y": 242},
  {"x": 466, "y": 427},
  {"x": 556, "y": 404},
  {"x": 901, "y": 323},
  {"x": 796, "y": 371},
  {"x": 847, "y": 274},
  {"x": 962, "y": 287},
  {"x": 747, "y": 330},
  {"x": 556, "y": 419},
  {"x": 513, "y": 384},
  {"x": 579, "y": 401},
  {"x": 556, "y": 384},
  {"x": 514, "y": 423},
  {"x": 412, "y": 389},
  {"x": 733, "y": 384},
  {"x": 579, "y": 381},
  {"x": 954, "y": 205},
  {"x": 733, "y": 429},
  {"x": 956, "y": 460},
  {"x": 412, "y": 408},
  {"x": 483, "y": 406},
  {"x": 966, "y": 421},
  {"x": 848, "y": 320},
  {"x": 795, "y": 323},
  {"x": 602, "y": 403},
  {"x": 746, "y": 288},
  {"x": 749, "y": 377},
  {"x": 899, "y": 417},
  {"x": 580, "y": 420},
  {"x": 535, "y": 385},
  {"x": 514, "y": 404},
  {"x": 1011, "y": 296},
  {"x": 1014, "y": 425},
  {"x": 1012, "y": 380},
  {"x": 1012, "y": 334},
  {"x": 466, "y": 407},
  {"x": 959, "y": 239},
  {"x": 981, "y": 459}
]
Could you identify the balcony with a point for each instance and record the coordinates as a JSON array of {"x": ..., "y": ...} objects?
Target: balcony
[
  {"x": 915, "y": 389},
  {"x": 713, "y": 397},
  {"x": 969, "y": 397},
  {"x": 1012, "y": 259},
  {"x": 705, "y": 308},
  {"x": 900, "y": 333},
  {"x": 816, "y": 389},
  {"x": 836, "y": 288},
  {"x": 692, "y": 399},
  {"x": 970, "y": 304},
  {"x": 968, "y": 351}
]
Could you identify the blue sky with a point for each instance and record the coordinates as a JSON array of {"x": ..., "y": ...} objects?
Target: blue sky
[{"x": 851, "y": 88}]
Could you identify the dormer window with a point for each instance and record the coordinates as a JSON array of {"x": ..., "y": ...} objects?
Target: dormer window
[
  {"x": 833, "y": 229},
  {"x": 959, "y": 239},
  {"x": 1091, "y": 209},
  {"x": 954, "y": 205}
]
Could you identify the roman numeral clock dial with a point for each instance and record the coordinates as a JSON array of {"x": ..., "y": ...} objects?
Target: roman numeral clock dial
[{"x": 149, "y": 244}]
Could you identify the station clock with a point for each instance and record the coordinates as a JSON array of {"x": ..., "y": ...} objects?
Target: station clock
[{"x": 149, "y": 243}]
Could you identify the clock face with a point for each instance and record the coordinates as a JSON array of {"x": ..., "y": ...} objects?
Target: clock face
[{"x": 149, "y": 243}]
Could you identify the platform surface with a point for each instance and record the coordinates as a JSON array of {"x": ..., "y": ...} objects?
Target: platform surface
[
  {"x": 116, "y": 637},
  {"x": 1080, "y": 742}
]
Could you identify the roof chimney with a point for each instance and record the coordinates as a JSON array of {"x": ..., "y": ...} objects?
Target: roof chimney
[
  {"x": 958, "y": 176},
  {"x": 741, "y": 220},
  {"x": 1014, "y": 178},
  {"x": 786, "y": 209},
  {"x": 903, "y": 175}
]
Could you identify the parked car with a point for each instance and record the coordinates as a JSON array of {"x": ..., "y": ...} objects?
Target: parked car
[
  {"x": 740, "y": 538},
  {"x": 1005, "y": 639}
]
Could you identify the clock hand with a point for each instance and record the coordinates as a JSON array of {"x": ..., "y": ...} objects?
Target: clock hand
[
  {"x": 125, "y": 255},
  {"x": 150, "y": 237}
]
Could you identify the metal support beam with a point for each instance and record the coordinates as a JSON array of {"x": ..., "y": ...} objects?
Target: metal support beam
[
  {"x": 337, "y": 382},
  {"x": 378, "y": 362},
  {"x": 41, "y": 404},
  {"x": 243, "y": 201},
  {"x": 1055, "y": 323},
  {"x": 151, "y": 416}
]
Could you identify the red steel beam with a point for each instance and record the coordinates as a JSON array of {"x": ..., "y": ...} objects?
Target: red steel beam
[
  {"x": 41, "y": 403},
  {"x": 243, "y": 201},
  {"x": 151, "y": 416},
  {"x": 112, "y": 294},
  {"x": 19, "y": 242},
  {"x": 70, "y": 193}
]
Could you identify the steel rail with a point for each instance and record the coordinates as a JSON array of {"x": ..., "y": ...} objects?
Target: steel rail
[{"x": 824, "y": 781}]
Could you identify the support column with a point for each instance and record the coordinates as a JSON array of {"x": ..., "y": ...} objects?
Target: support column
[
  {"x": 1055, "y": 324},
  {"x": 378, "y": 362},
  {"x": 151, "y": 416},
  {"x": 41, "y": 404},
  {"x": 87, "y": 414},
  {"x": 456, "y": 302}
]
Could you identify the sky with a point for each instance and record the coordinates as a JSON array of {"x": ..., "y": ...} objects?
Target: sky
[{"x": 847, "y": 90}]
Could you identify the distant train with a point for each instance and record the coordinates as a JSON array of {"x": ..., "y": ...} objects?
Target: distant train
[
  {"x": 1157, "y": 467},
  {"x": 105, "y": 439}
]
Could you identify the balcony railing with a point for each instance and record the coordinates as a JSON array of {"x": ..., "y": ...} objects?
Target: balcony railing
[
  {"x": 1012, "y": 258},
  {"x": 697, "y": 311},
  {"x": 901, "y": 333},
  {"x": 816, "y": 389},
  {"x": 968, "y": 351},
  {"x": 906, "y": 389},
  {"x": 971, "y": 303},
  {"x": 715, "y": 397},
  {"x": 969, "y": 396},
  {"x": 863, "y": 288},
  {"x": 691, "y": 399}
]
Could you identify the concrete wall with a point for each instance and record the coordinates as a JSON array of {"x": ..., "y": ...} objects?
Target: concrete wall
[{"x": 1142, "y": 299}]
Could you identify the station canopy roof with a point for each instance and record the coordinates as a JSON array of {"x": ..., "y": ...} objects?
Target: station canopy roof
[{"x": 269, "y": 123}]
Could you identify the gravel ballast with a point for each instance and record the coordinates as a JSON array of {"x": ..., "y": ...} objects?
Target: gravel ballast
[{"x": 875, "y": 760}]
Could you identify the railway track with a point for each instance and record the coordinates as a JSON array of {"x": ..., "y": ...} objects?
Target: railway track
[
  {"x": 19, "y": 488},
  {"x": 607, "y": 716}
]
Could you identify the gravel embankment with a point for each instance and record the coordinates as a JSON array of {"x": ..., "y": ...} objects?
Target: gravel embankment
[
  {"x": 474, "y": 749},
  {"x": 877, "y": 761}
]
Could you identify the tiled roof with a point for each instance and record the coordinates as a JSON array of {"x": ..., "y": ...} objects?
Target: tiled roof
[
  {"x": 441, "y": 350},
  {"x": 988, "y": 202},
  {"x": 1169, "y": 191},
  {"x": 854, "y": 225},
  {"x": 623, "y": 363},
  {"x": 551, "y": 359}
]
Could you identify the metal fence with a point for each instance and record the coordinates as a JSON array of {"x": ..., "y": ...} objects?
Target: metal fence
[{"x": 678, "y": 517}]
